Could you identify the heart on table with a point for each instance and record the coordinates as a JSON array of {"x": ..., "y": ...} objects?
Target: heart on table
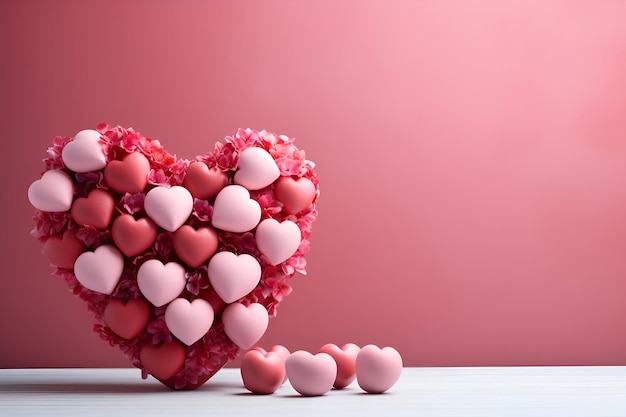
[{"x": 159, "y": 247}]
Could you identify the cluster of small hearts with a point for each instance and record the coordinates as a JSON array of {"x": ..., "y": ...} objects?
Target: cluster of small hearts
[
  {"x": 182, "y": 262},
  {"x": 376, "y": 370}
]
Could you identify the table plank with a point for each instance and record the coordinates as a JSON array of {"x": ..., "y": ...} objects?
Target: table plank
[{"x": 514, "y": 391}]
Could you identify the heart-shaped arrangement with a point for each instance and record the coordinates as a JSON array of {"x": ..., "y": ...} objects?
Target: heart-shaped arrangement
[{"x": 182, "y": 262}]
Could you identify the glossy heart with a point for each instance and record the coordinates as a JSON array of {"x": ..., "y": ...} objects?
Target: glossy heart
[
  {"x": 282, "y": 351},
  {"x": 245, "y": 325},
  {"x": 296, "y": 194},
  {"x": 345, "y": 358},
  {"x": 277, "y": 241},
  {"x": 233, "y": 276},
  {"x": 377, "y": 370},
  {"x": 262, "y": 372},
  {"x": 54, "y": 192},
  {"x": 311, "y": 375},
  {"x": 165, "y": 251},
  {"x": 130, "y": 175}
]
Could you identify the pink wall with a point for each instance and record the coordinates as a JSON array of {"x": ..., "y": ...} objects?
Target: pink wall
[{"x": 472, "y": 158}]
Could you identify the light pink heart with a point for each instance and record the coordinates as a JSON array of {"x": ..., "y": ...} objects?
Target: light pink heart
[
  {"x": 256, "y": 169},
  {"x": 169, "y": 207},
  {"x": 377, "y": 369},
  {"x": 160, "y": 283},
  {"x": 233, "y": 276},
  {"x": 311, "y": 375},
  {"x": 245, "y": 325},
  {"x": 84, "y": 153},
  {"x": 54, "y": 192},
  {"x": 189, "y": 321},
  {"x": 101, "y": 269},
  {"x": 234, "y": 211},
  {"x": 277, "y": 241}
]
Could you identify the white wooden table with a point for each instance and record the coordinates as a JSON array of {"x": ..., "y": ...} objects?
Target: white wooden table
[{"x": 502, "y": 392}]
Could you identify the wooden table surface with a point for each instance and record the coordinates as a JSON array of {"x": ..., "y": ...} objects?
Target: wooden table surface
[{"x": 489, "y": 391}]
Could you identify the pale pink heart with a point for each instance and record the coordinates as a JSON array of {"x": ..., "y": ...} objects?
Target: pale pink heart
[
  {"x": 84, "y": 153},
  {"x": 277, "y": 241},
  {"x": 245, "y": 325},
  {"x": 234, "y": 211},
  {"x": 377, "y": 369},
  {"x": 189, "y": 321},
  {"x": 295, "y": 194},
  {"x": 169, "y": 207},
  {"x": 309, "y": 374},
  {"x": 53, "y": 192},
  {"x": 160, "y": 283},
  {"x": 256, "y": 169},
  {"x": 233, "y": 276},
  {"x": 101, "y": 269}
]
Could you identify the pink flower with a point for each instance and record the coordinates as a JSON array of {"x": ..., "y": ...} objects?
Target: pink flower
[{"x": 133, "y": 203}]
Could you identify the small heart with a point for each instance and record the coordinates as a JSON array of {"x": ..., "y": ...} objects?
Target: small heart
[
  {"x": 256, "y": 169},
  {"x": 233, "y": 276},
  {"x": 163, "y": 361},
  {"x": 160, "y": 283},
  {"x": 101, "y": 269},
  {"x": 277, "y": 241},
  {"x": 84, "y": 153},
  {"x": 345, "y": 357},
  {"x": 278, "y": 349},
  {"x": 129, "y": 319},
  {"x": 204, "y": 182},
  {"x": 311, "y": 375},
  {"x": 245, "y": 325},
  {"x": 130, "y": 175},
  {"x": 195, "y": 247},
  {"x": 94, "y": 210},
  {"x": 169, "y": 207},
  {"x": 132, "y": 236},
  {"x": 234, "y": 211},
  {"x": 189, "y": 321},
  {"x": 54, "y": 192},
  {"x": 63, "y": 251},
  {"x": 377, "y": 369},
  {"x": 296, "y": 194},
  {"x": 262, "y": 372}
]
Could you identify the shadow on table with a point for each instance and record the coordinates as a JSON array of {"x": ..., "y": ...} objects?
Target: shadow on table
[{"x": 102, "y": 388}]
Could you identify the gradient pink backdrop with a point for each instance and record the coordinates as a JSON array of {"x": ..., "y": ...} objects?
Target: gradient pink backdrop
[{"x": 472, "y": 158}]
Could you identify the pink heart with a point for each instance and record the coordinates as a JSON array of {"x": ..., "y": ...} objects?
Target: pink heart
[
  {"x": 132, "y": 236},
  {"x": 256, "y": 169},
  {"x": 195, "y": 247},
  {"x": 202, "y": 182},
  {"x": 295, "y": 194},
  {"x": 377, "y": 369},
  {"x": 245, "y": 325},
  {"x": 277, "y": 241},
  {"x": 130, "y": 175},
  {"x": 151, "y": 227},
  {"x": 160, "y": 283},
  {"x": 189, "y": 321},
  {"x": 345, "y": 357},
  {"x": 84, "y": 153},
  {"x": 233, "y": 276},
  {"x": 262, "y": 372},
  {"x": 311, "y": 375},
  {"x": 94, "y": 210},
  {"x": 282, "y": 351},
  {"x": 129, "y": 319},
  {"x": 101, "y": 269},
  {"x": 54, "y": 192},
  {"x": 234, "y": 211},
  {"x": 169, "y": 207}
]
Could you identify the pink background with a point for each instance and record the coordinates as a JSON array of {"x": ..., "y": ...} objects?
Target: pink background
[{"x": 472, "y": 158}]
